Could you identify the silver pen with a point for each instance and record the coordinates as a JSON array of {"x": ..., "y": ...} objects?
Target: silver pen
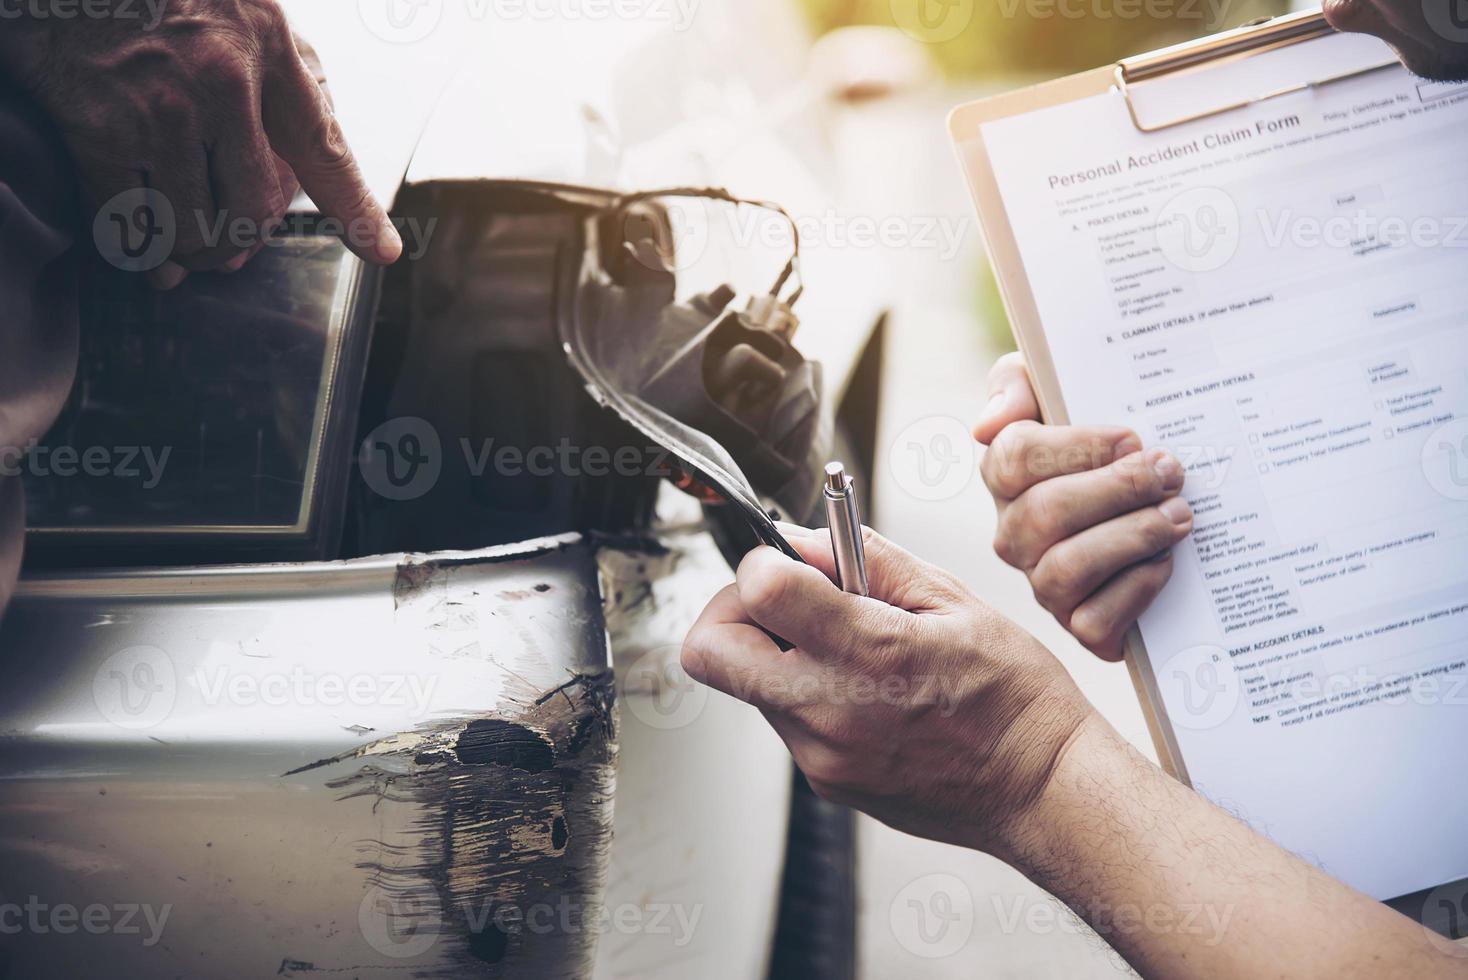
[{"x": 844, "y": 517}]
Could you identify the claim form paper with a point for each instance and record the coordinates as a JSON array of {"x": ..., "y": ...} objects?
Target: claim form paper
[{"x": 1279, "y": 294}]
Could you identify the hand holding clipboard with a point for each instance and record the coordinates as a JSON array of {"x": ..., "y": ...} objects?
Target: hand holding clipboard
[{"x": 1243, "y": 248}]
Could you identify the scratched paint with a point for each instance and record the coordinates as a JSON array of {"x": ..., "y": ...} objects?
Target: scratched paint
[
  {"x": 513, "y": 816},
  {"x": 277, "y": 834}
]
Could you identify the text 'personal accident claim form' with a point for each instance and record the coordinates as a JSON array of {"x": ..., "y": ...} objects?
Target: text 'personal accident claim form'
[{"x": 1279, "y": 295}]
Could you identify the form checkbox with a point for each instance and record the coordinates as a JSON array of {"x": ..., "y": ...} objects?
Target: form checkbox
[
  {"x": 1263, "y": 467},
  {"x": 1389, "y": 433}
]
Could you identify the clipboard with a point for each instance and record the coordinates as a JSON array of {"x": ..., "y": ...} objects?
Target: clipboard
[
  {"x": 1268, "y": 55},
  {"x": 1132, "y": 80}
]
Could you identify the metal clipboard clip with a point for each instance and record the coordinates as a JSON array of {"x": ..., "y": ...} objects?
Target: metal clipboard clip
[{"x": 1257, "y": 37}]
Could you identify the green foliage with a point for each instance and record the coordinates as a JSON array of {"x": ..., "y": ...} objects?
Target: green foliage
[
  {"x": 992, "y": 313},
  {"x": 1028, "y": 37}
]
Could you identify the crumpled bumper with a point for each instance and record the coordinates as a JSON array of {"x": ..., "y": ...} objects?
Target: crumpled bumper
[{"x": 397, "y": 766}]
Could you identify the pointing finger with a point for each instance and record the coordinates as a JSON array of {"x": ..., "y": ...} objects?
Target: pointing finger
[{"x": 305, "y": 132}]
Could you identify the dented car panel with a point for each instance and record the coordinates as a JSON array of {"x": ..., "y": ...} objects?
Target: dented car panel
[
  {"x": 398, "y": 766},
  {"x": 182, "y": 753}
]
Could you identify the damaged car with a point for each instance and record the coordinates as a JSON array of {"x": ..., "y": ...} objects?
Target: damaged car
[{"x": 366, "y": 662}]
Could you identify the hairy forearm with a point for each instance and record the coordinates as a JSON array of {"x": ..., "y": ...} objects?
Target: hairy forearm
[{"x": 1182, "y": 889}]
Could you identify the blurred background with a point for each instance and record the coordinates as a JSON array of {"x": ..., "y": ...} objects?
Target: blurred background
[
  {"x": 1009, "y": 38},
  {"x": 975, "y": 49}
]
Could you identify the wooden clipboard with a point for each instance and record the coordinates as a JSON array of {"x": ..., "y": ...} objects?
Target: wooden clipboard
[{"x": 1124, "y": 78}]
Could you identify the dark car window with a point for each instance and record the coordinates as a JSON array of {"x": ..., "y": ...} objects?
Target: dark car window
[{"x": 200, "y": 409}]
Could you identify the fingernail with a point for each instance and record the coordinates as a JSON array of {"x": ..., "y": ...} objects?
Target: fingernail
[
  {"x": 237, "y": 263},
  {"x": 389, "y": 243},
  {"x": 1129, "y": 444},
  {"x": 993, "y": 407},
  {"x": 793, "y": 530},
  {"x": 1169, "y": 470},
  {"x": 1177, "y": 511}
]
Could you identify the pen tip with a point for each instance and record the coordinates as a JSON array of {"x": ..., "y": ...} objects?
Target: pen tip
[{"x": 836, "y": 477}]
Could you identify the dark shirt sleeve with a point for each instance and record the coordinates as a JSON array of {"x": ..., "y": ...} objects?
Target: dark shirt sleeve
[{"x": 38, "y": 303}]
